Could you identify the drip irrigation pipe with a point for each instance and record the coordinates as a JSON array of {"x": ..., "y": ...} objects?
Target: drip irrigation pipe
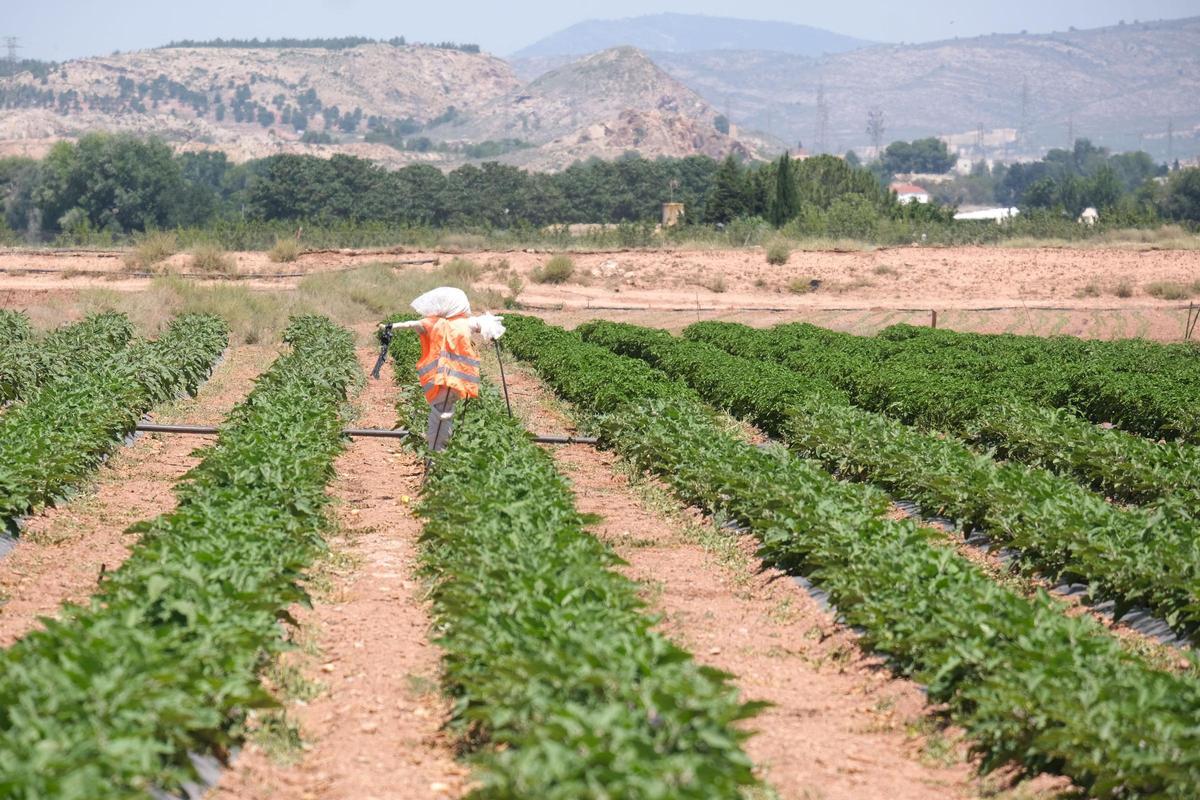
[
  {"x": 241, "y": 276},
  {"x": 803, "y": 309},
  {"x": 376, "y": 433}
]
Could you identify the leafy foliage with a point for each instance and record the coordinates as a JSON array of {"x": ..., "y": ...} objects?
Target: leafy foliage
[
  {"x": 14, "y": 328},
  {"x": 1059, "y": 527},
  {"x": 980, "y": 389},
  {"x": 919, "y": 155},
  {"x": 26, "y": 363},
  {"x": 1031, "y": 686},
  {"x": 68, "y": 426},
  {"x": 549, "y": 655},
  {"x": 109, "y": 700}
]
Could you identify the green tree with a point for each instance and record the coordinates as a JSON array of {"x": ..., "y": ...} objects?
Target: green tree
[
  {"x": 115, "y": 182},
  {"x": 728, "y": 198},
  {"x": 928, "y": 155},
  {"x": 1180, "y": 199},
  {"x": 785, "y": 203},
  {"x": 1104, "y": 189}
]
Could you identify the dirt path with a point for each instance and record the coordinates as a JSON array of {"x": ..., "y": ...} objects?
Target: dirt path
[
  {"x": 841, "y": 727},
  {"x": 62, "y": 550},
  {"x": 373, "y": 728}
]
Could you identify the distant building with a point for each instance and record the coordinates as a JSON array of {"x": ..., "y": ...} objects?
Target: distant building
[
  {"x": 910, "y": 193},
  {"x": 993, "y": 214}
]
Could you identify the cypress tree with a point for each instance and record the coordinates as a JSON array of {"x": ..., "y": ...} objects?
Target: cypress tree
[{"x": 785, "y": 205}]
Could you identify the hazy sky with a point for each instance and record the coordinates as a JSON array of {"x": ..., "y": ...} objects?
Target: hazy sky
[{"x": 61, "y": 29}]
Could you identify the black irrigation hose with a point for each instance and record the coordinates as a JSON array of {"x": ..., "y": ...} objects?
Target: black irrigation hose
[{"x": 368, "y": 433}]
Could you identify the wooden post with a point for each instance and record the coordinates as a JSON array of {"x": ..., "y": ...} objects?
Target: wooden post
[{"x": 933, "y": 319}]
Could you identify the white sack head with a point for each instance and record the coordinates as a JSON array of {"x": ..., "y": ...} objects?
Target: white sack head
[{"x": 444, "y": 301}]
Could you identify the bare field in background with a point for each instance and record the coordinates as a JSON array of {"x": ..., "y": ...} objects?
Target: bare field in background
[{"x": 1096, "y": 292}]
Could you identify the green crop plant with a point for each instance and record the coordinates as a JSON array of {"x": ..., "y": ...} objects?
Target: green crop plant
[
  {"x": 1060, "y": 528},
  {"x": 14, "y": 327},
  {"x": 949, "y": 384},
  {"x": 66, "y": 428},
  {"x": 27, "y": 363},
  {"x": 165, "y": 660},
  {"x": 1030, "y": 685},
  {"x": 559, "y": 681}
]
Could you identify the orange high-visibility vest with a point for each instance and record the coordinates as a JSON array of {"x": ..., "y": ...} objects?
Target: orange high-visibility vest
[{"x": 448, "y": 357}]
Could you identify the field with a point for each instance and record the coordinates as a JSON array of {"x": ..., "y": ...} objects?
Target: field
[{"x": 820, "y": 549}]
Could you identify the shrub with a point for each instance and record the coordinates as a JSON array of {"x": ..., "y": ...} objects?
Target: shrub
[
  {"x": 558, "y": 269},
  {"x": 1092, "y": 289},
  {"x": 150, "y": 249},
  {"x": 515, "y": 285},
  {"x": 778, "y": 253},
  {"x": 803, "y": 285},
  {"x": 1123, "y": 289},
  {"x": 212, "y": 259},
  {"x": 715, "y": 284},
  {"x": 1168, "y": 290},
  {"x": 461, "y": 269},
  {"x": 285, "y": 251}
]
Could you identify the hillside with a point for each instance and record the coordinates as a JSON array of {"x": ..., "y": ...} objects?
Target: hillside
[
  {"x": 686, "y": 33},
  {"x": 394, "y": 104},
  {"x": 605, "y": 105},
  {"x": 1119, "y": 85}
]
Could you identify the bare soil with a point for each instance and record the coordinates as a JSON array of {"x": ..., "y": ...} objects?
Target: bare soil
[
  {"x": 841, "y": 726},
  {"x": 62, "y": 550},
  {"x": 1041, "y": 290},
  {"x": 374, "y": 730}
]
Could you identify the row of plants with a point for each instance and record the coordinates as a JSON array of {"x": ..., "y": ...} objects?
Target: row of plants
[
  {"x": 1144, "y": 387},
  {"x": 27, "y": 362},
  {"x": 561, "y": 686},
  {"x": 110, "y": 698},
  {"x": 1030, "y": 685},
  {"x": 1057, "y": 526},
  {"x": 926, "y": 379},
  {"x": 67, "y": 427}
]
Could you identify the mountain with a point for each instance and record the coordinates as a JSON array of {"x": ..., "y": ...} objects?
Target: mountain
[
  {"x": 686, "y": 33},
  {"x": 605, "y": 104},
  {"x": 1122, "y": 86},
  {"x": 392, "y": 103}
]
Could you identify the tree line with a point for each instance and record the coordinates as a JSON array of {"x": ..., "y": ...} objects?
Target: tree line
[
  {"x": 328, "y": 43},
  {"x": 119, "y": 184}
]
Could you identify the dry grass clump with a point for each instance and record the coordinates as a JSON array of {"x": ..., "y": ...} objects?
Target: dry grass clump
[
  {"x": 715, "y": 284},
  {"x": 778, "y": 253},
  {"x": 151, "y": 248},
  {"x": 884, "y": 269},
  {"x": 1123, "y": 289},
  {"x": 1091, "y": 289},
  {"x": 559, "y": 269},
  {"x": 285, "y": 251},
  {"x": 461, "y": 269},
  {"x": 210, "y": 258},
  {"x": 1170, "y": 290},
  {"x": 803, "y": 285},
  {"x": 515, "y": 287}
]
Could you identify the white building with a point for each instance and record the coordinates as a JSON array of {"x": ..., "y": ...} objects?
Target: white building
[
  {"x": 993, "y": 214},
  {"x": 910, "y": 193}
]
